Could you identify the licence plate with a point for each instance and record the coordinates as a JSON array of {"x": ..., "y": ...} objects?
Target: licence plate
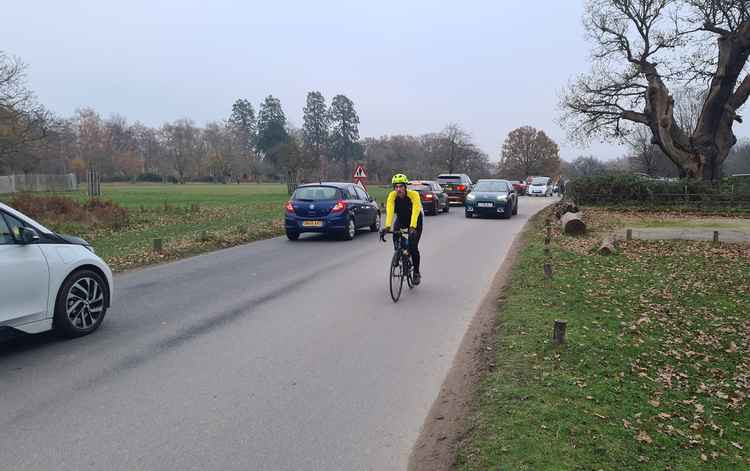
[
  {"x": 312, "y": 223},
  {"x": 485, "y": 205}
]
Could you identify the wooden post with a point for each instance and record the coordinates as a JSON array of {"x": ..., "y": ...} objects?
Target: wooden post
[
  {"x": 629, "y": 234},
  {"x": 157, "y": 245},
  {"x": 716, "y": 237},
  {"x": 558, "y": 333},
  {"x": 548, "y": 271}
]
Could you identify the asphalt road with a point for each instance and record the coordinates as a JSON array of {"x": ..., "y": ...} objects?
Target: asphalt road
[{"x": 275, "y": 355}]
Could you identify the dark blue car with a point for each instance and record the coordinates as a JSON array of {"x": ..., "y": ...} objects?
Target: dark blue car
[{"x": 330, "y": 208}]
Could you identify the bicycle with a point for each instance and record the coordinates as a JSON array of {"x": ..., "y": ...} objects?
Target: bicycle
[{"x": 401, "y": 267}]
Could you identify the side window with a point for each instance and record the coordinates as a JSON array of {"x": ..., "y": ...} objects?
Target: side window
[
  {"x": 361, "y": 194},
  {"x": 6, "y": 237},
  {"x": 14, "y": 225}
]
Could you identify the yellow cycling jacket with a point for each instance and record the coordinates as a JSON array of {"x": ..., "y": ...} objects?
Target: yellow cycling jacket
[{"x": 416, "y": 207}]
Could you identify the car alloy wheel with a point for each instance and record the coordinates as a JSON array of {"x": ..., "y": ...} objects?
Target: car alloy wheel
[
  {"x": 351, "y": 230},
  {"x": 80, "y": 306}
]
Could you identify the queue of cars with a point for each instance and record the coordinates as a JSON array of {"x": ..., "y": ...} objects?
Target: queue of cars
[{"x": 344, "y": 208}]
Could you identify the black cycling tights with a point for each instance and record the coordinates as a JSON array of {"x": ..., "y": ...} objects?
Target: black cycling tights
[{"x": 413, "y": 244}]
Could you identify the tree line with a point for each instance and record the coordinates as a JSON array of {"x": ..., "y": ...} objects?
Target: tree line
[{"x": 248, "y": 145}]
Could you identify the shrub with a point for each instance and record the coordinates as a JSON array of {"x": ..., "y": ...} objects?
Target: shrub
[{"x": 59, "y": 211}]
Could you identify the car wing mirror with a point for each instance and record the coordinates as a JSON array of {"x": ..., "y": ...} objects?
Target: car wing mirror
[{"x": 28, "y": 235}]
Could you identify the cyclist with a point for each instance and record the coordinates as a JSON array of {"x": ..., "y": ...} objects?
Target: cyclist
[{"x": 406, "y": 205}]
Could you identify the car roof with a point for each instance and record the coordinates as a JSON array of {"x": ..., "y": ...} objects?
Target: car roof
[
  {"x": 333, "y": 184},
  {"x": 24, "y": 218}
]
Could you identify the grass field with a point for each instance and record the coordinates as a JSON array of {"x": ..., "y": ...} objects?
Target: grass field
[
  {"x": 655, "y": 373},
  {"x": 190, "y": 219}
]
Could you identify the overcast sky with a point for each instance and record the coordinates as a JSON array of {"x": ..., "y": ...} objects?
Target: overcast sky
[{"x": 410, "y": 66}]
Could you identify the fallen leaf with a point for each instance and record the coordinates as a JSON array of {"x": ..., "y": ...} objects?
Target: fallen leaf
[
  {"x": 737, "y": 445},
  {"x": 644, "y": 437},
  {"x": 654, "y": 403}
]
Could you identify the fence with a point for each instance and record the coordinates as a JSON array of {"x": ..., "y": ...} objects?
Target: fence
[{"x": 35, "y": 182}]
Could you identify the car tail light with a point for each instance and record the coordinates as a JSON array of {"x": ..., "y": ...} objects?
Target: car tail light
[
  {"x": 339, "y": 206},
  {"x": 428, "y": 196},
  {"x": 289, "y": 207},
  {"x": 461, "y": 187}
]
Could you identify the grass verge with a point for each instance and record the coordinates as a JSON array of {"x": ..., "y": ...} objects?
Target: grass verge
[{"x": 654, "y": 375}]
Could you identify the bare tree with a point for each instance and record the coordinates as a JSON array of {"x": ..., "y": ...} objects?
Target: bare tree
[
  {"x": 645, "y": 157},
  {"x": 182, "y": 142},
  {"x": 642, "y": 48},
  {"x": 22, "y": 120}
]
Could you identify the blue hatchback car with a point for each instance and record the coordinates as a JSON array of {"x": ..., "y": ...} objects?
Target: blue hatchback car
[{"x": 330, "y": 208}]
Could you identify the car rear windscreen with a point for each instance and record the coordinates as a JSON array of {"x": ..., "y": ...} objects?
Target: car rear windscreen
[
  {"x": 316, "y": 193},
  {"x": 419, "y": 188},
  {"x": 449, "y": 179}
]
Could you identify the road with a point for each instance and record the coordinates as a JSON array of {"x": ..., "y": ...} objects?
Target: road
[{"x": 275, "y": 355}]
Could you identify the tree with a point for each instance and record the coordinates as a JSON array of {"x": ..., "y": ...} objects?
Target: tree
[
  {"x": 181, "y": 140},
  {"x": 243, "y": 126},
  {"x": 739, "y": 159},
  {"x": 527, "y": 152},
  {"x": 22, "y": 120},
  {"x": 315, "y": 130},
  {"x": 271, "y": 129},
  {"x": 454, "y": 150},
  {"x": 587, "y": 166},
  {"x": 344, "y": 132},
  {"x": 646, "y": 157},
  {"x": 642, "y": 49},
  {"x": 93, "y": 138}
]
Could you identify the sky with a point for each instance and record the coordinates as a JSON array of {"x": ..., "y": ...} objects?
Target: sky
[{"x": 410, "y": 66}]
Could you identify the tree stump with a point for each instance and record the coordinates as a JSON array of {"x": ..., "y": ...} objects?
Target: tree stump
[
  {"x": 564, "y": 207},
  {"x": 558, "y": 334},
  {"x": 572, "y": 224},
  {"x": 607, "y": 246},
  {"x": 157, "y": 245}
]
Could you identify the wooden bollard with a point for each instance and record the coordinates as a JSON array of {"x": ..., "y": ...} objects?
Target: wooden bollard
[
  {"x": 548, "y": 271},
  {"x": 716, "y": 237},
  {"x": 558, "y": 334},
  {"x": 157, "y": 245},
  {"x": 629, "y": 234}
]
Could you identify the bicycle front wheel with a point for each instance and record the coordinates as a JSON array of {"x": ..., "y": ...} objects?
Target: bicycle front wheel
[
  {"x": 396, "y": 278},
  {"x": 408, "y": 270}
]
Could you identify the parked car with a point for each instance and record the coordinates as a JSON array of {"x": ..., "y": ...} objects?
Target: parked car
[
  {"x": 520, "y": 187},
  {"x": 541, "y": 186},
  {"x": 492, "y": 198},
  {"x": 434, "y": 199},
  {"x": 48, "y": 280},
  {"x": 330, "y": 208},
  {"x": 456, "y": 185}
]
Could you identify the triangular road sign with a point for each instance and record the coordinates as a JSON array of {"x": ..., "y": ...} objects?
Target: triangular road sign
[{"x": 360, "y": 172}]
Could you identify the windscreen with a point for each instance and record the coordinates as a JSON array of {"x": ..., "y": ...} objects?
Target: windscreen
[{"x": 316, "y": 193}]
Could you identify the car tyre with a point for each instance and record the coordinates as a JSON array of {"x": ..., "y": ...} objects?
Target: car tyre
[
  {"x": 291, "y": 235},
  {"x": 446, "y": 208},
  {"x": 515, "y": 209},
  {"x": 81, "y": 304},
  {"x": 507, "y": 212},
  {"x": 375, "y": 226},
  {"x": 351, "y": 229},
  {"x": 468, "y": 215}
]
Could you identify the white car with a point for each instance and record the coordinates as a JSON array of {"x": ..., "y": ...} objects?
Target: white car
[
  {"x": 540, "y": 186},
  {"x": 48, "y": 280}
]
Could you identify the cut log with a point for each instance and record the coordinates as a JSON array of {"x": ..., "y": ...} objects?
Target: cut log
[
  {"x": 572, "y": 224},
  {"x": 564, "y": 207},
  {"x": 608, "y": 246}
]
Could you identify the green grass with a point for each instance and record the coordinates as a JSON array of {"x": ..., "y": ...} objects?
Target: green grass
[
  {"x": 191, "y": 219},
  {"x": 656, "y": 329},
  {"x": 708, "y": 223}
]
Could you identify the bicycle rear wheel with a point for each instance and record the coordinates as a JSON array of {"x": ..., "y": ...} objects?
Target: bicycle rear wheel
[{"x": 396, "y": 278}]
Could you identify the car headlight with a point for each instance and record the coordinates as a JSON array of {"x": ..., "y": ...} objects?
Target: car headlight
[
  {"x": 90, "y": 249},
  {"x": 502, "y": 197},
  {"x": 471, "y": 197}
]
